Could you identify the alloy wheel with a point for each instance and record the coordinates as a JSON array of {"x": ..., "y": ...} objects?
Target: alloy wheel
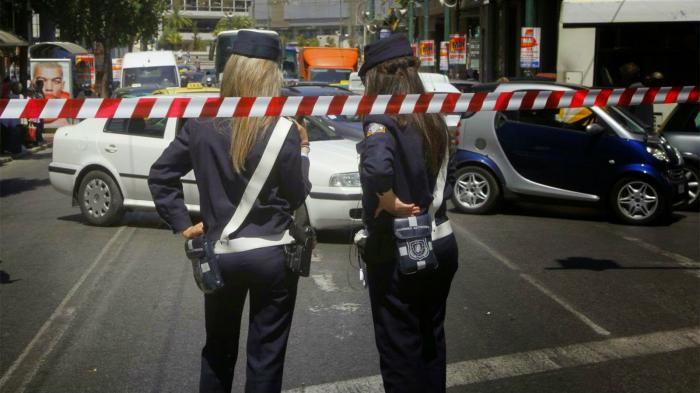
[
  {"x": 637, "y": 200},
  {"x": 692, "y": 178},
  {"x": 472, "y": 190}
]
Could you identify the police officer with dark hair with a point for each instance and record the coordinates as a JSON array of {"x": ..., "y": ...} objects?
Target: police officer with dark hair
[
  {"x": 224, "y": 154},
  {"x": 402, "y": 159}
]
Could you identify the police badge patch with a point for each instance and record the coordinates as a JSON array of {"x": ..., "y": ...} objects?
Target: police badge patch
[
  {"x": 375, "y": 128},
  {"x": 418, "y": 249}
]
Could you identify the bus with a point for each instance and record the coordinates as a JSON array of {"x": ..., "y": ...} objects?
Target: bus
[
  {"x": 222, "y": 48},
  {"x": 612, "y": 43}
]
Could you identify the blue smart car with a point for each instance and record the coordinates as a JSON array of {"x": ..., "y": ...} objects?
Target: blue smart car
[{"x": 587, "y": 155}]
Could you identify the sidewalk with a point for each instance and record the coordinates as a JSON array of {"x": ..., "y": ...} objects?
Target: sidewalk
[{"x": 5, "y": 158}]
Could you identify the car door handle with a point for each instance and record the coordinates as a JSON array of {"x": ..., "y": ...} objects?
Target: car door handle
[{"x": 111, "y": 149}]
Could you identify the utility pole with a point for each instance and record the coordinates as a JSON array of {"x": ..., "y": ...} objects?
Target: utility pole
[
  {"x": 426, "y": 18},
  {"x": 411, "y": 21},
  {"x": 447, "y": 17}
]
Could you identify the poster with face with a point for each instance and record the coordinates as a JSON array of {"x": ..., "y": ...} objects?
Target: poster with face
[{"x": 54, "y": 76}]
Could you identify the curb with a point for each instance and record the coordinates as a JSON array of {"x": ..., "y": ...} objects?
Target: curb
[{"x": 26, "y": 152}]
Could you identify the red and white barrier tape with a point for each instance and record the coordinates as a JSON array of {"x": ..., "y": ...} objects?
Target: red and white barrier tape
[{"x": 192, "y": 107}]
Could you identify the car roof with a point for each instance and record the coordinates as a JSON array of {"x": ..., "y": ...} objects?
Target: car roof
[
  {"x": 530, "y": 84},
  {"x": 187, "y": 90}
]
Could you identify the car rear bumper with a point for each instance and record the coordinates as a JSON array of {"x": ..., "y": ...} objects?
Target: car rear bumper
[{"x": 62, "y": 177}]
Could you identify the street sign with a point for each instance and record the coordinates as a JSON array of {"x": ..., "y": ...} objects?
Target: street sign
[
  {"x": 458, "y": 49},
  {"x": 530, "y": 47},
  {"x": 427, "y": 53},
  {"x": 444, "y": 61}
]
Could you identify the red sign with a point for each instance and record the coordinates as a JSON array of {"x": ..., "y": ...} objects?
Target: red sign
[
  {"x": 426, "y": 50},
  {"x": 458, "y": 49}
]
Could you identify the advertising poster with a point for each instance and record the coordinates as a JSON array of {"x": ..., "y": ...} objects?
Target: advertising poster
[
  {"x": 458, "y": 49},
  {"x": 444, "y": 54},
  {"x": 474, "y": 53},
  {"x": 427, "y": 53},
  {"x": 85, "y": 71},
  {"x": 530, "y": 47},
  {"x": 56, "y": 76},
  {"x": 117, "y": 69},
  {"x": 414, "y": 48}
]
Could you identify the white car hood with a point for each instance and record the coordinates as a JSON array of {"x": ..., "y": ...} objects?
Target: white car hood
[{"x": 330, "y": 157}]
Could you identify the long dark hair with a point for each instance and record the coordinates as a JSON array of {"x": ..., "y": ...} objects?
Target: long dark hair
[{"x": 400, "y": 76}]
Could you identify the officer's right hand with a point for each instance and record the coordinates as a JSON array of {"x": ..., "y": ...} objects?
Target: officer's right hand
[
  {"x": 303, "y": 134},
  {"x": 194, "y": 231},
  {"x": 390, "y": 203}
]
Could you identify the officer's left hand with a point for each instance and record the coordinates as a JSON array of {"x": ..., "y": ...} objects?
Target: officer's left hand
[{"x": 194, "y": 231}]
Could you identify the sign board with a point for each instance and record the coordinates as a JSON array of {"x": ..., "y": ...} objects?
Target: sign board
[
  {"x": 474, "y": 54},
  {"x": 117, "y": 69},
  {"x": 426, "y": 50},
  {"x": 530, "y": 47},
  {"x": 444, "y": 50},
  {"x": 458, "y": 49},
  {"x": 57, "y": 78},
  {"x": 85, "y": 71}
]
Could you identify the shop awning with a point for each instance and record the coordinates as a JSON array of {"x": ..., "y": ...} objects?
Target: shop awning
[
  {"x": 49, "y": 50},
  {"x": 8, "y": 39},
  {"x": 592, "y": 12}
]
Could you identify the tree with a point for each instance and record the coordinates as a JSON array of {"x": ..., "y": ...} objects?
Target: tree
[
  {"x": 105, "y": 24},
  {"x": 233, "y": 23}
]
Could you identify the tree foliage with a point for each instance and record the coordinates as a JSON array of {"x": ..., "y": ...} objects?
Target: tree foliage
[
  {"x": 108, "y": 24},
  {"x": 233, "y": 23}
]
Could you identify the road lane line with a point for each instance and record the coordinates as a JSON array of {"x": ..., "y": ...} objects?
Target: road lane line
[
  {"x": 62, "y": 316},
  {"x": 537, "y": 361},
  {"x": 679, "y": 259},
  {"x": 568, "y": 307},
  {"x": 529, "y": 279},
  {"x": 500, "y": 257}
]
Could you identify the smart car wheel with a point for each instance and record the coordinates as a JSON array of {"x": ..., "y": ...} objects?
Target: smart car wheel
[
  {"x": 476, "y": 190},
  {"x": 100, "y": 199},
  {"x": 637, "y": 201},
  {"x": 692, "y": 175}
]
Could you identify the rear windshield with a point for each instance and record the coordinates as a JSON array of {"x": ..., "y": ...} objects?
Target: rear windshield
[
  {"x": 161, "y": 76},
  {"x": 330, "y": 76}
]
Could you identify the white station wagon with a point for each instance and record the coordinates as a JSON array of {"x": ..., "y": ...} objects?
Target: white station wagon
[{"x": 103, "y": 164}]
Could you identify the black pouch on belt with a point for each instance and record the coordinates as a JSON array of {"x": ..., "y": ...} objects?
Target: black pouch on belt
[
  {"x": 298, "y": 254},
  {"x": 205, "y": 264},
  {"x": 414, "y": 246}
]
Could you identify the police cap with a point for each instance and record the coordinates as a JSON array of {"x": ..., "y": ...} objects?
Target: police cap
[
  {"x": 396, "y": 45},
  {"x": 251, "y": 43}
]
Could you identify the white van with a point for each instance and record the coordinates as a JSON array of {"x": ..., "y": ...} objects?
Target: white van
[{"x": 152, "y": 68}]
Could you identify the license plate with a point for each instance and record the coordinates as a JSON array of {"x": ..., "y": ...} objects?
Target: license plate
[{"x": 681, "y": 188}]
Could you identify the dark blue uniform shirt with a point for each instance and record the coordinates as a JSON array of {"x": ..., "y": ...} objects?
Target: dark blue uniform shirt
[
  {"x": 395, "y": 160},
  {"x": 204, "y": 145}
]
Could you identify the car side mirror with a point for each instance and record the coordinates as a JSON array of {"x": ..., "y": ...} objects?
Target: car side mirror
[{"x": 595, "y": 129}]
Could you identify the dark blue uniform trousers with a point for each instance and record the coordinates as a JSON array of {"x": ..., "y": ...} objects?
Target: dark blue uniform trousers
[
  {"x": 272, "y": 288},
  {"x": 409, "y": 315}
]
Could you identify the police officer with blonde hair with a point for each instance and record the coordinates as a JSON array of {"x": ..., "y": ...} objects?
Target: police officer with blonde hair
[
  {"x": 224, "y": 154},
  {"x": 410, "y": 252}
]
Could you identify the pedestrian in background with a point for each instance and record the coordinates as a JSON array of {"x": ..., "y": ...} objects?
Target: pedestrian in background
[
  {"x": 224, "y": 154},
  {"x": 402, "y": 158}
]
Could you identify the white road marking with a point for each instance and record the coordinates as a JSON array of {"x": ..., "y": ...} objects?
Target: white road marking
[
  {"x": 343, "y": 308},
  {"x": 54, "y": 327},
  {"x": 529, "y": 279},
  {"x": 679, "y": 259},
  {"x": 568, "y": 307},
  {"x": 325, "y": 282},
  {"x": 536, "y": 361}
]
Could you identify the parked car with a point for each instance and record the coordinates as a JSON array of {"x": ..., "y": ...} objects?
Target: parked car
[
  {"x": 588, "y": 155},
  {"x": 682, "y": 130},
  {"x": 103, "y": 164}
]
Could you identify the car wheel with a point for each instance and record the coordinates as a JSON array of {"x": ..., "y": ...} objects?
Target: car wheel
[
  {"x": 100, "y": 199},
  {"x": 692, "y": 175},
  {"x": 637, "y": 201},
  {"x": 476, "y": 190}
]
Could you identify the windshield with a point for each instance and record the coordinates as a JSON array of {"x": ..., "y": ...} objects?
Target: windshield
[
  {"x": 162, "y": 76},
  {"x": 626, "y": 119},
  {"x": 329, "y": 75},
  {"x": 319, "y": 130}
]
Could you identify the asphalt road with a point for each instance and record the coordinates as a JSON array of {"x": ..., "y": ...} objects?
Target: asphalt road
[{"x": 546, "y": 299}]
